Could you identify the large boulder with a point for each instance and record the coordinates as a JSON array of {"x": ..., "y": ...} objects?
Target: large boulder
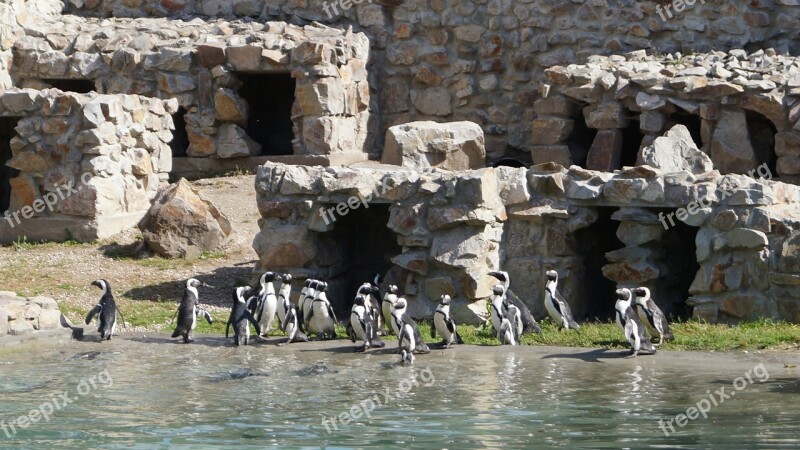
[
  {"x": 675, "y": 152},
  {"x": 182, "y": 224},
  {"x": 449, "y": 146}
]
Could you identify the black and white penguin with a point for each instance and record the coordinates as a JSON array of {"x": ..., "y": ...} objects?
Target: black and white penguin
[
  {"x": 106, "y": 311},
  {"x": 321, "y": 319},
  {"x": 407, "y": 342},
  {"x": 284, "y": 298},
  {"x": 267, "y": 304},
  {"x": 362, "y": 325},
  {"x": 369, "y": 291},
  {"x": 188, "y": 311},
  {"x": 556, "y": 306},
  {"x": 291, "y": 325},
  {"x": 632, "y": 327},
  {"x": 387, "y": 303},
  {"x": 651, "y": 315},
  {"x": 401, "y": 319},
  {"x": 503, "y": 322},
  {"x": 307, "y": 300},
  {"x": 377, "y": 300},
  {"x": 241, "y": 318},
  {"x": 529, "y": 324},
  {"x": 444, "y": 324}
]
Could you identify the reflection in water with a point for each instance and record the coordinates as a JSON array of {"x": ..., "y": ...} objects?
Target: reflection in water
[{"x": 166, "y": 396}]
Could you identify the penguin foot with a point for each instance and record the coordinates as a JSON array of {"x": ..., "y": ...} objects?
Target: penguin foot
[
  {"x": 361, "y": 349},
  {"x": 632, "y": 354}
]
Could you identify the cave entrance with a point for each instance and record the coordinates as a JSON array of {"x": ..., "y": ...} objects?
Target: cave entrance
[
  {"x": 180, "y": 138},
  {"x": 269, "y": 97},
  {"x": 762, "y": 138},
  {"x": 365, "y": 246},
  {"x": 78, "y": 86},
  {"x": 596, "y": 297},
  {"x": 631, "y": 141},
  {"x": 691, "y": 122},
  {"x": 7, "y": 132},
  {"x": 678, "y": 254},
  {"x": 581, "y": 138}
]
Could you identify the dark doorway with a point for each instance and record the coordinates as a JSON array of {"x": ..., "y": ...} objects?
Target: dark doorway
[
  {"x": 180, "y": 138},
  {"x": 762, "y": 137},
  {"x": 7, "y": 125},
  {"x": 594, "y": 241},
  {"x": 672, "y": 290},
  {"x": 269, "y": 98},
  {"x": 71, "y": 85},
  {"x": 581, "y": 139},
  {"x": 691, "y": 122},
  {"x": 365, "y": 246},
  {"x": 509, "y": 162},
  {"x": 631, "y": 140}
]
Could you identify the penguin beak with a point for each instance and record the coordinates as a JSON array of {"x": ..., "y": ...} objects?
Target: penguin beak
[{"x": 208, "y": 285}]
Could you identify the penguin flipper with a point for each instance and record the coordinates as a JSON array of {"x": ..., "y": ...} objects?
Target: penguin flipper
[
  {"x": 119, "y": 311},
  {"x": 253, "y": 321},
  {"x": 433, "y": 328},
  {"x": 96, "y": 310},
  {"x": 458, "y": 339},
  {"x": 528, "y": 321}
]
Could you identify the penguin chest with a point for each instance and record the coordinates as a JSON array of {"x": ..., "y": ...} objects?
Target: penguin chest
[
  {"x": 321, "y": 320},
  {"x": 440, "y": 322},
  {"x": 193, "y": 318},
  {"x": 549, "y": 305}
]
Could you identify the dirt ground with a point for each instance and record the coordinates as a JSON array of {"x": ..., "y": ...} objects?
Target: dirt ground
[{"x": 64, "y": 271}]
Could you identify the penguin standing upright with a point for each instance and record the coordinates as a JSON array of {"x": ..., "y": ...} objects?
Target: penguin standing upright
[
  {"x": 387, "y": 303},
  {"x": 507, "y": 328},
  {"x": 188, "y": 310},
  {"x": 321, "y": 319},
  {"x": 106, "y": 311},
  {"x": 362, "y": 324},
  {"x": 529, "y": 324},
  {"x": 377, "y": 300},
  {"x": 444, "y": 324},
  {"x": 284, "y": 299},
  {"x": 400, "y": 320},
  {"x": 305, "y": 302},
  {"x": 651, "y": 315},
  {"x": 556, "y": 306},
  {"x": 291, "y": 325},
  {"x": 632, "y": 327},
  {"x": 406, "y": 341},
  {"x": 267, "y": 302},
  {"x": 240, "y": 318}
]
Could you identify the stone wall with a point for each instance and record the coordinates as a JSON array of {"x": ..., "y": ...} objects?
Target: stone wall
[
  {"x": 21, "y": 316},
  {"x": 482, "y": 60},
  {"x": 14, "y": 16},
  {"x": 100, "y": 158},
  {"x": 201, "y": 65},
  {"x": 454, "y": 228}
]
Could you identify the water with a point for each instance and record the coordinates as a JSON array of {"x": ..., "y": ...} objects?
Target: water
[{"x": 154, "y": 393}]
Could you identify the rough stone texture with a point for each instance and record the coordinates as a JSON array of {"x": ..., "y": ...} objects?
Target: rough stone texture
[
  {"x": 24, "y": 316},
  {"x": 448, "y": 146},
  {"x": 453, "y": 228},
  {"x": 674, "y": 152},
  {"x": 182, "y": 224}
]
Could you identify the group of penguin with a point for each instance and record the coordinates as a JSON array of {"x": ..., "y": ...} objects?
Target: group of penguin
[{"x": 373, "y": 314}]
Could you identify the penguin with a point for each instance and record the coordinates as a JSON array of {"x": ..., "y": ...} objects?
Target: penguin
[
  {"x": 503, "y": 322},
  {"x": 528, "y": 321},
  {"x": 307, "y": 300},
  {"x": 407, "y": 343},
  {"x": 362, "y": 324},
  {"x": 284, "y": 299},
  {"x": 291, "y": 325},
  {"x": 321, "y": 318},
  {"x": 651, "y": 315},
  {"x": 444, "y": 324},
  {"x": 387, "y": 303},
  {"x": 376, "y": 301},
  {"x": 106, "y": 311},
  {"x": 556, "y": 306},
  {"x": 632, "y": 327},
  {"x": 401, "y": 319},
  {"x": 188, "y": 310},
  {"x": 267, "y": 304},
  {"x": 369, "y": 292},
  {"x": 239, "y": 318}
]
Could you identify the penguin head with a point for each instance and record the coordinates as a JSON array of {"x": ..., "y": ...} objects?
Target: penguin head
[
  {"x": 193, "y": 283},
  {"x": 307, "y": 283},
  {"x": 624, "y": 294},
  {"x": 269, "y": 276},
  {"x": 287, "y": 278},
  {"x": 377, "y": 280},
  {"x": 400, "y": 303},
  {"x": 552, "y": 275},
  {"x": 500, "y": 275},
  {"x": 498, "y": 289},
  {"x": 321, "y": 286},
  {"x": 392, "y": 289},
  {"x": 642, "y": 294},
  {"x": 359, "y": 300},
  {"x": 445, "y": 299},
  {"x": 242, "y": 292},
  {"x": 102, "y": 284}
]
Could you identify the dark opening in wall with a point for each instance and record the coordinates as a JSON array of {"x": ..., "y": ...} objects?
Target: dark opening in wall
[
  {"x": 581, "y": 139},
  {"x": 677, "y": 252},
  {"x": 690, "y": 121},
  {"x": 7, "y": 132},
  {"x": 180, "y": 138},
  {"x": 365, "y": 246},
  {"x": 509, "y": 162},
  {"x": 71, "y": 85},
  {"x": 269, "y": 98},
  {"x": 762, "y": 137},
  {"x": 597, "y": 292},
  {"x": 631, "y": 141}
]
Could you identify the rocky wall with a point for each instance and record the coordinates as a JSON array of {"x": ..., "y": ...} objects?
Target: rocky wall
[
  {"x": 14, "y": 16},
  {"x": 202, "y": 64},
  {"x": 20, "y": 316},
  {"x": 97, "y": 159},
  {"x": 454, "y": 228},
  {"x": 482, "y": 60}
]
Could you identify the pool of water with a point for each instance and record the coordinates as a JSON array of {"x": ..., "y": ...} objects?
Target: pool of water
[{"x": 137, "y": 392}]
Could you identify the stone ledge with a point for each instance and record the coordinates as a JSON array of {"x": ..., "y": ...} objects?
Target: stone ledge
[{"x": 196, "y": 168}]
